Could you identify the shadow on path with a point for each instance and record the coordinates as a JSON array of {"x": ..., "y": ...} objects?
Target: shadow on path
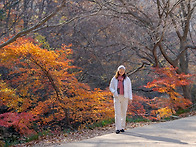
[{"x": 155, "y": 138}]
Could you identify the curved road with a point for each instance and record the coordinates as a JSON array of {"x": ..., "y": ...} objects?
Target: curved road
[{"x": 177, "y": 133}]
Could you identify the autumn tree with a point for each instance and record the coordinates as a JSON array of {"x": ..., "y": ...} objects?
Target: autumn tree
[
  {"x": 45, "y": 87},
  {"x": 166, "y": 31},
  {"x": 116, "y": 29},
  {"x": 123, "y": 31},
  {"x": 99, "y": 46},
  {"x": 167, "y": 81}
]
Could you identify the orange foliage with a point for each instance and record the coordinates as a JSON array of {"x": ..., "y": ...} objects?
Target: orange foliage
[
  {"x": 136, "y": 107},
  {"x": 45, "y": 86},
  {"x": 166, "y": 82}
]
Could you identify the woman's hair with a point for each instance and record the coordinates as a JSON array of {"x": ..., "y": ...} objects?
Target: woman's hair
[{"x": 117, "y": 75}]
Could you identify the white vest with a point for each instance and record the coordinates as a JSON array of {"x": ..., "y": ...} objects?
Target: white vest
[{"x": 127, "y": 87}]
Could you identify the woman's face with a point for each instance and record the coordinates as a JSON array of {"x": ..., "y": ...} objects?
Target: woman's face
[{"x": 121, "y": 71}]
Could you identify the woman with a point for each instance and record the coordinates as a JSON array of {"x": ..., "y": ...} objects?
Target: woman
[{"x": 120, "y": 86}]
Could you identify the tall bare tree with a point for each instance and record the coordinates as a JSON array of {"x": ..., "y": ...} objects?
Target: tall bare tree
[{"x": 166, "y": 25}]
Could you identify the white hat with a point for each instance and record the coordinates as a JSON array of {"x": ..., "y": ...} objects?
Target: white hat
[{"x": 121, "y": 66}]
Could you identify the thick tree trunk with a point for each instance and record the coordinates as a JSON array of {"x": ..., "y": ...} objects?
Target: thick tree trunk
[
  {"x": 183, "y": 64},
  {"x": 187, "y": 92}
]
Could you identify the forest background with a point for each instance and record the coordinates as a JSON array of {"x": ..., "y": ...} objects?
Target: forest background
[{"x": 58, "y": 56}]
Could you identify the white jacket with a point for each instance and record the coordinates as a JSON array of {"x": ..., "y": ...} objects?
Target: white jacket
[{"x": 127, "y": 87}]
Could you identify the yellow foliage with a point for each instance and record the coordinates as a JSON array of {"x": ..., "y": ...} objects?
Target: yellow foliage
[
  {"x": 8, "y": 96},
  {"x": 41, "y": 69},
  {"x": 164, "y": 112}
]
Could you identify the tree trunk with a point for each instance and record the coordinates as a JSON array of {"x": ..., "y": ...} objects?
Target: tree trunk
[
  {"x": 187, "y": 92},
  {"x": 183, "y": 64}
]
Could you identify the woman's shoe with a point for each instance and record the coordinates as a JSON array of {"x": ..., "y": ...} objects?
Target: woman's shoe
[
  {"x": 117, "y": 131},
  {"x": 122, "y": 130}
]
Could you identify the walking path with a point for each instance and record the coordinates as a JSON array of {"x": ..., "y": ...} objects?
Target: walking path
[{"x": 177, "y": 133}]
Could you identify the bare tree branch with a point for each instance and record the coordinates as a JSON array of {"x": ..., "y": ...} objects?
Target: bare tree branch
[
  {"x": 147, "y": 57},
  {"x": 172, "y": 62},
  {"x": 187, "y": 22},
  {"x": 147, "y": 22},
  {"x": 132, "y": 72},
  {"x": 187, "y": 47},
  {"x": 116, "y": 51},
  {"x": 175, "y": 26},
  {"x": 68, "y": 21},
  {"x": 26, "y": 31}
]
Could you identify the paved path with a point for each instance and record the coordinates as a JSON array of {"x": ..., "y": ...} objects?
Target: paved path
[{"x": 177, "y": 133}]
